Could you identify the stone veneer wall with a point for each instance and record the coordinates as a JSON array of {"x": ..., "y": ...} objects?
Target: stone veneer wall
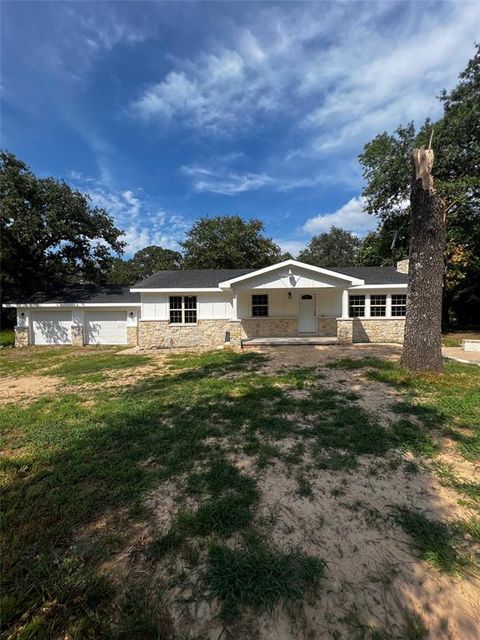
[
  {"x": 345, "y": 331},
  {"x": 21, "y": 337},
  {"x": 269, "y": 327},
  {"x": 132, "y": 336},
  {"x": 327, "y": 327},
  {"x": 206, "y": 333},
  {"x": 77, "y": 335},
  {"x": 378, "y": 329}
]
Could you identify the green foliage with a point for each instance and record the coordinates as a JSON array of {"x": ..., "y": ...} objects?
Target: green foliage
[
  {"x": 7, "y": 338},
  {"x": 144, "y": 263},
  {"x": 50, "y": 233},
  {"x": 387, "y": 172},
  {"x": 259, "y": 577},
  {"x": 228, "y": 242},
  {"x": 336, "y": 247}
]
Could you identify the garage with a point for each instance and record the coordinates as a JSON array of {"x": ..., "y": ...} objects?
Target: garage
[
  {"x": 51, "y": 327},
  {"x": 106, "y": 327}
]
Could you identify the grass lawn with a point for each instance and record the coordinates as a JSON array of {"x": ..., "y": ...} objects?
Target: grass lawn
[
  {"x": 194, "y": 495},
  {"x": 454, "y": 338},
  {"x": 7, "y": 338}
]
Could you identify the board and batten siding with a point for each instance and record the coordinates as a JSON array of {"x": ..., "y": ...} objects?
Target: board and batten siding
[
  {"x": 210, "y": 305},
  {"x": 328, "y": 302}
]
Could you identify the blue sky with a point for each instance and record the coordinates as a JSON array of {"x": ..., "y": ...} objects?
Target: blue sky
[{"x": 167, "y": 111}]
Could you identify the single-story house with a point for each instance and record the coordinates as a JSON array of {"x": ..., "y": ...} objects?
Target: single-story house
[{"x": 214, "y": 307}]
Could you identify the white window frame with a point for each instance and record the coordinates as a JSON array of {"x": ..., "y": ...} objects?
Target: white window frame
[
  {"x": 182, "y": 309},
  {"x": 396, "y": 304},
  {"x": 260, "y": 305},
  {"x": 364, "y": 305},
  {"x": 383, "y": 305}
]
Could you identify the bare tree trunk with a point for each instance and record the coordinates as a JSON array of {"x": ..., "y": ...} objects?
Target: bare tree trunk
[{"x": 422, "y": 347}]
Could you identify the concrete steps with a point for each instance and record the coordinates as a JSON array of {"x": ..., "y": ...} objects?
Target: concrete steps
[{"x": 288, "y": 340}]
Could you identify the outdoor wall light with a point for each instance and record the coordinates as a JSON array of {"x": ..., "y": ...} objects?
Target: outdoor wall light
[
  {"x": 131, "y": 314},
  {"x": 22, "y": 314},
  {"x": 289, "y": 295}
]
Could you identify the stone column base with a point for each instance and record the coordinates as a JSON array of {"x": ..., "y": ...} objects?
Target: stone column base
[
  {"x": 132, "y": 336},
  {"x": 21, "y": 337},
  {"x": 345, "y": 331},
  {"x": 77, "y": 335}
]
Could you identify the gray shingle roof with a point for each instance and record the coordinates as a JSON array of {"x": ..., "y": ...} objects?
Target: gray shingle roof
[
  {"x": 190, "y": 278},
  {"x": 206, "y": 278},
  {"x": 83, "y": 293},
  {"x": 374, "y": 275}
]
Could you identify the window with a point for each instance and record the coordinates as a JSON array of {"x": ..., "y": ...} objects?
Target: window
[
  {"x": 183, "y": 309},
  {"x": 356, "y": 306},
  {"x": 259, "y": 305},
  {"x": 378, "y": 306},
  {"x": 399, "y": 304}
]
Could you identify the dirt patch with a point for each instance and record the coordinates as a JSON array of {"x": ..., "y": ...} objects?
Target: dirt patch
[{"x": 26, "y": 388}]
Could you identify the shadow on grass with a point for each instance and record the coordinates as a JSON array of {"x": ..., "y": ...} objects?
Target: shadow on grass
[{"x": 82, "y": 457}]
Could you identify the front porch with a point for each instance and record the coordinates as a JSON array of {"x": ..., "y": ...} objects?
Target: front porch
[{"x": 289, "y": 341}]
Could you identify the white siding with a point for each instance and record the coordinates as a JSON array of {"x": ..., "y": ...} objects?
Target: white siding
[
  {"x": 298, "y": 279},
  {"x": 210, "y": 306},
  {"x": 329, "y": 303}
]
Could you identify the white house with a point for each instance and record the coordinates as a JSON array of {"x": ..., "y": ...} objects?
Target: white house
[{"x": 214, "y": 307}]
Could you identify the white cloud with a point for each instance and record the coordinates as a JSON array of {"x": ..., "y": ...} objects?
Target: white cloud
[
  {"x": 144, "y": 222},
  {"x": 350, "y": 216},
  {"x": 334, "y": 75},
  {"x": 292, "y": 246}
]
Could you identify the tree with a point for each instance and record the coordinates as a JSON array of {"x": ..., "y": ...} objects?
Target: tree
[
  {"x": 143, "y": 264},
  {"x": 228, "y": 242},
  {"x": 386, "y": 169},
  {"x": 422, "y": 347},
  {"x": 336, "y": 247},
  {"x": 388, "y": 244},
  {"x": 50, "y": 233}
]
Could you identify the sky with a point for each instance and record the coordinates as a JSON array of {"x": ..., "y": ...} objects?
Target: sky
[{"x": 164, "y": 112}]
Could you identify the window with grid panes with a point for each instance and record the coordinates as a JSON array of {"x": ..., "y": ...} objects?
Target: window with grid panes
[
  {"x": 183, "y": 309},
  {"x": 399, "y": 304},
  {"x": 378, "y": 306},
  {"x": 259, "y": 305},
  {"x": 356, "y": 306}
]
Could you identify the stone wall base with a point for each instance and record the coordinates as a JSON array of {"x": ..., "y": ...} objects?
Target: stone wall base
[
  {"x": 21, "y": 337},
  {"x": 210, "y": 334},
  {"x": 132, "y": 336},
  {"x": 345, "y": 331},
  {"x": 77, "y": 335},
  {"x": 269, "y": 327},
  {"x": 378, "y": 329},
  {"x": 327, "y": 327}
]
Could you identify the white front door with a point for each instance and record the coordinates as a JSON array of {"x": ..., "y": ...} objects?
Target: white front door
[{"x": 306, "y": 316}]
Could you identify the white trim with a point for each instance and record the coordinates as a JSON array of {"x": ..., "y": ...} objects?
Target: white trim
[
  {"x": 177, "y": 290},
  {"x": 67, "y": 305},
  {"x": 377, "y": 286},
  {"x": 226, "y": 284}
]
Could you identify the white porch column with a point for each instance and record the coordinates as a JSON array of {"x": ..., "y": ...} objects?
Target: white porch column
[
  {"x": 345, "y": 303},
  {"x": 235, "y": 306}
]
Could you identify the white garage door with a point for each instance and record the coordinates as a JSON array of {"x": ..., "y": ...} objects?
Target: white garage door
[
  {"x": 106, "y": 327},
  {"x": 51, "y": 327}
]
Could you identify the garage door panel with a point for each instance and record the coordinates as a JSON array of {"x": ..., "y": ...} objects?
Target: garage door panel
[
  {"x": 106, "y": 327},
  {"x": 51, "y": 327}
]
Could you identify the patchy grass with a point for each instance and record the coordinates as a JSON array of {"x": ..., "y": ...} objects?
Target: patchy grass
[
  {"x": 260, "y": 577},
  {"x": 98, "y": 453},
  {"x": 7, "y": 338},
  {"x": 435, "y": 540},
  {"x": 454, "y": 338},
  {"x": 448, "y": 402}
]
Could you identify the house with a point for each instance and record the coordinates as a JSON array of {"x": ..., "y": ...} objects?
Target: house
[{"x": 214, "y": 307}]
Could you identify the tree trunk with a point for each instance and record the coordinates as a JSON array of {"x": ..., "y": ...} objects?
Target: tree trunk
[{"x": 422, "y": 347}]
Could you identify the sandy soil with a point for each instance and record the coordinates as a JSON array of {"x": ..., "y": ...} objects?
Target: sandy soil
[
  {"x": 26, "y": 387},
  {"x": 373, "y": 576}
]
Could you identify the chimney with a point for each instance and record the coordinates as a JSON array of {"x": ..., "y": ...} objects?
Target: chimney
[{"x": 402, "y": 266}]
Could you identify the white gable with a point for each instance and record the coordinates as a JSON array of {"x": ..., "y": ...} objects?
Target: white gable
[{"x": 291, "y": 275}]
